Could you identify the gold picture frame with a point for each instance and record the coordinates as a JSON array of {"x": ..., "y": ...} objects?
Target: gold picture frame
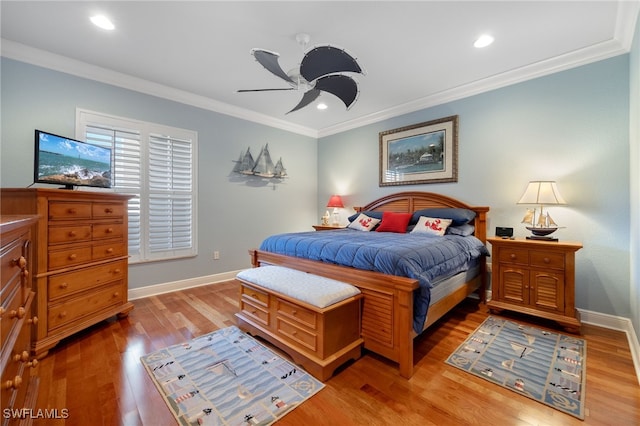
[{"x": 421, "y": 153}]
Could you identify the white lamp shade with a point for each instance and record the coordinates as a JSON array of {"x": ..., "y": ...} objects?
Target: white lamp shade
[{"x": 542, "y": 192}]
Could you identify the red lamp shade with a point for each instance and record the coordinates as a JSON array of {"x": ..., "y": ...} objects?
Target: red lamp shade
[{"x": 335, "y": 201}]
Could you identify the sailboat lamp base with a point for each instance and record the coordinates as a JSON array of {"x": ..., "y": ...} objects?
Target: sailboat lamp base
[{"x": 541, "y": 238}]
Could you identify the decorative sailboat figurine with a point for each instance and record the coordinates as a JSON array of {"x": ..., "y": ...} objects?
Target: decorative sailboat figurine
[
  {"x": 245, "y": 163},
  {"x": 279, "y": 170},
  {"x": 264, "y": 166},
  {"x": 541, "y": 228}
]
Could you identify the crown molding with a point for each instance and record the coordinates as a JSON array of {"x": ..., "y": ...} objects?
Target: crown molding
[{"x": 42, "y": 58}]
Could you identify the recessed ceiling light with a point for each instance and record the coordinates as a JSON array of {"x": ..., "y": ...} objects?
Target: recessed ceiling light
[
  {"x": 483, "y": 41},
  {"x": 322, "y": 106},
  {"x": 102, "y": 22}
]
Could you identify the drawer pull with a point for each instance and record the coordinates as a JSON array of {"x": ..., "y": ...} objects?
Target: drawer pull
[
  {"x": 62, "y": 314},
  {"x": 24, "y": 357},
  {"x": 546, "y": 260},
  {"x": 64, "y": 285},
  {"x": 294, "y": 312},
  {"x": 72, "y": 211},
  {"x": 254, "y": 296},
  {"x": 13, "y": 384},
  {"x": 20, "y": 313},
  {"x": 109, "y": 250},
  {"x": 116, "y": 271},
  {"x": 33, "y": 320},
  {"x": 109, "y": 231},
  {"x": 116, "y": 294},
  {"x": 108, "y": 210},
  {"x": 72, "y": 233},
  {"x": 72, "y": 256},
  {"x": 512, "y": 256},
  {"x": 32, "y": 364}
]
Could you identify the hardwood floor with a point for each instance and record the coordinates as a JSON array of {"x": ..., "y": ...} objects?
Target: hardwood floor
[{"x": 97, "y": 376}]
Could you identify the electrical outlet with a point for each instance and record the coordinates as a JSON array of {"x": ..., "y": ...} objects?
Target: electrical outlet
[{"x": 216, "y": 255}]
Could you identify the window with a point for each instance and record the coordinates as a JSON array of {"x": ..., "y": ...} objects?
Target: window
[{"x": 155, "y": 164}]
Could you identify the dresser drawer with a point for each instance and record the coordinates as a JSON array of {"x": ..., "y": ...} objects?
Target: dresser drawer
[
  {"x": 63, "y": 285},
  {"x": 69, "y": 257},
  {"x": 61, "y": 314},
  {"x": 104, "y": 210},
  {"x": 63, "y": 210},
  {"x": 547, "y": 259},
  {"x": 110, "y": 230},
  {"x": 297, "y": 335},
  {"x": 515, "y": 256},
  {"x": 16, "y": 373},
  {"x": 10, "y": 270},
  {"x": 14, "y": 310},
  {"x": 108, "y": 250},
  {"x": 297, "y": 314},
  {"x": 69, "y": 234}
]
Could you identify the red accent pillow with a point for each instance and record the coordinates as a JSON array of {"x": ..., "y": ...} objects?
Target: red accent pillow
[{"x": 394, "y": 222}]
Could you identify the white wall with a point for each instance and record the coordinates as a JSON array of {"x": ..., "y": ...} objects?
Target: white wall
[
  {"x": 572, "y": 127},
  {"x": 634, "y": 134}
]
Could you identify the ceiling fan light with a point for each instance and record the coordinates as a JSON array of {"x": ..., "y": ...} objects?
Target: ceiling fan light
[
  {"x": 322, "y": 106},
  {"x": 483, "y": 41}
]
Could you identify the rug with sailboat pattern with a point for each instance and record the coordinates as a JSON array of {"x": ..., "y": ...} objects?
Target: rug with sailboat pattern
[
  {"x": 228, "y": 378},
  {"x": 545, "y": 366}
]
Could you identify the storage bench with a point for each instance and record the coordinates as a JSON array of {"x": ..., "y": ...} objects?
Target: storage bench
[{"x": 315, "y": 320}]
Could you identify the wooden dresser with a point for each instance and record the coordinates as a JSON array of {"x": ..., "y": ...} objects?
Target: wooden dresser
[
  {"x": 80, "y": 261},
  {"x": 536, "y": 278},
  {"x": 19, "y": 387}
]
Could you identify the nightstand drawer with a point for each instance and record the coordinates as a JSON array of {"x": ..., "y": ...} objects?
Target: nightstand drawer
[
  {"x": 516, "y": 256},
  {"x": 547, "y": 259}
]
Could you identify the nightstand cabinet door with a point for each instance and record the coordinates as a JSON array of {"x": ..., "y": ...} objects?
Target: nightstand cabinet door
[
  {"x": 535, "y": 278},
  {"x": 547, "y": 290},
  {"x": 513, "y": 285}
]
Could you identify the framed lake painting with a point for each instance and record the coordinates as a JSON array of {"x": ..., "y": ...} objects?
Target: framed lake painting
[{"x": 421, "y": 153}]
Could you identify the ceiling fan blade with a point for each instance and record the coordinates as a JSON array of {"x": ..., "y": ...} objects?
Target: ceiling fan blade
[
  {"x": 344, "y": 87},
  {"x": 323, "y": 60},
  {"x": 262, "y": 90},
  {"x": 269, "y": 60},
  {"x": 307, "y": 98}
]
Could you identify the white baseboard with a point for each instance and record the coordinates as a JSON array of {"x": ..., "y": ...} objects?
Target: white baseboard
[
  {"x": 152, "y": 290},
  {"x": 588, "y": 317},
  {"x": 616, "y": 323}
]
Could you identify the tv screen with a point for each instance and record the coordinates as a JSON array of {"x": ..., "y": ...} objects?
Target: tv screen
[{"x": 68, "y": 162}]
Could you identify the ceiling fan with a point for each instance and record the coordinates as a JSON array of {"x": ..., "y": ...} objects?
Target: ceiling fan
[{"x": 321, "y": 70}]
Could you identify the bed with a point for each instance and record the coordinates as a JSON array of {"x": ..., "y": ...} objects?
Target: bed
[{"x": 388, "y": 321}]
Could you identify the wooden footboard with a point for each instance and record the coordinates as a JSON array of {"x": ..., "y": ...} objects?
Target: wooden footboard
[{"x": 387, "y": 312}]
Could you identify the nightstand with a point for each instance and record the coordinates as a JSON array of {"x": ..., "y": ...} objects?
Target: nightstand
[
  {"x": 326, "y": 227},
  {"x": 535, "y": 278}
]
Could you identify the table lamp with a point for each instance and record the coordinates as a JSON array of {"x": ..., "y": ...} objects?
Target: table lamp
[{"x": 336, "y": 202}]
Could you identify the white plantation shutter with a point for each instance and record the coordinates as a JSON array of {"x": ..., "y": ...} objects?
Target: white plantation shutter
[
  {"x": 170, "y": 194},
  {"x": 156, "y": 164}
]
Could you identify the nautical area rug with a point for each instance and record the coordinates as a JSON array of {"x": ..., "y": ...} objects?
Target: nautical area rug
[
  {"x": 228, "y": 378},
  {"x": 545, "y": 366}
]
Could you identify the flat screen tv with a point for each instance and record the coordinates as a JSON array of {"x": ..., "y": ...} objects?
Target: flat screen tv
[{"x": 68, "y": 162}]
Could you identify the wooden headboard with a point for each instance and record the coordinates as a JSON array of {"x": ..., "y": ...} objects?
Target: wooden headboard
[{"x": 409, "y": 202}]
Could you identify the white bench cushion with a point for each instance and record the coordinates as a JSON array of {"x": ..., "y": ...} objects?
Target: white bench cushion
[{"x": 313, "y": 289}]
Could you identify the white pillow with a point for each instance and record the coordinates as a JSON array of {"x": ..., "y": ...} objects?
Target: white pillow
[
  {"x": 364, "y": 223},
  {"x": 431, "y": 225}
]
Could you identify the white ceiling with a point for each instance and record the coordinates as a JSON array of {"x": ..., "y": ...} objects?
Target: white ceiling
[{"x": 416, "y": 53}]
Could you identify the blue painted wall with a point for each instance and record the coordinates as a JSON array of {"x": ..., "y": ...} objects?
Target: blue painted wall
[
  {"x": 233, "y": 216},
  {"x": 571, "y": 127}
]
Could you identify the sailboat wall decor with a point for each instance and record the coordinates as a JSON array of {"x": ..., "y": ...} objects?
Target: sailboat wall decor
[{"x": 262, "y": 166}]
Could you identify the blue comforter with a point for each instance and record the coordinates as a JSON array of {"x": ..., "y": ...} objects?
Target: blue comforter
[{"x": 417, "y": 256}]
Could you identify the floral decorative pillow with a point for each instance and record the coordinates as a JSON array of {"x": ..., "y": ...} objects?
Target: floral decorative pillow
[
  {"x": 431, "y": 225},
  {"x": 363, "y": 223}
]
